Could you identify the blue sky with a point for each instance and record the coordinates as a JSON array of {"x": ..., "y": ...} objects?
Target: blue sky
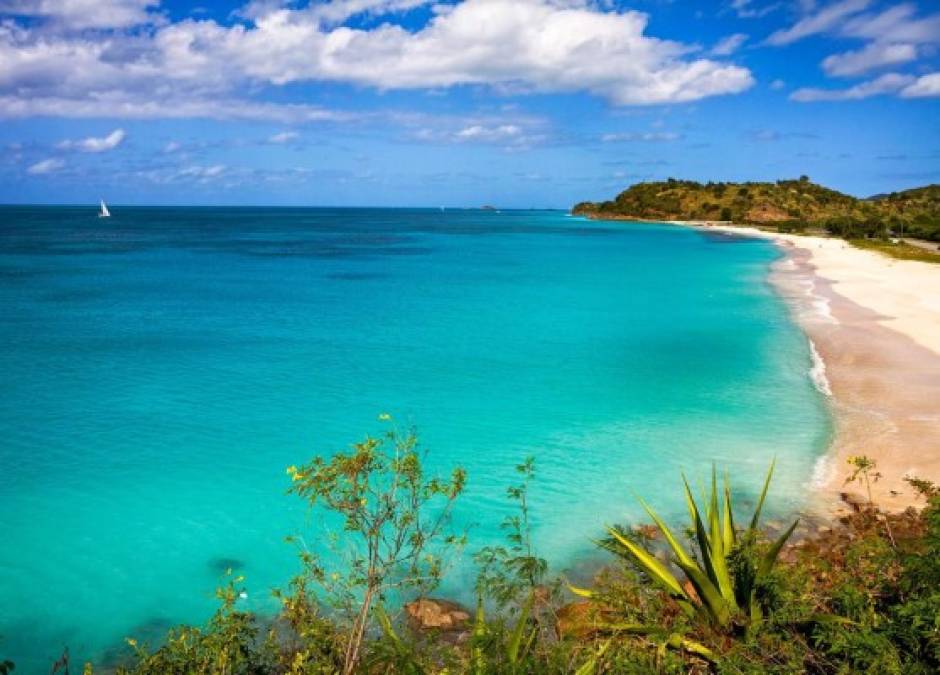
[{"x": 409, "y": 103}]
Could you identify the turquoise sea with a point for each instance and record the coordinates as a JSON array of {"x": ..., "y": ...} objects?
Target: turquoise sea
[{"x": 161, "y": 368}]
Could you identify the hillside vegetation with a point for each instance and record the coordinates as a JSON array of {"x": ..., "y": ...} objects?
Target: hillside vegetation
[{"x": 787, "y": 205}]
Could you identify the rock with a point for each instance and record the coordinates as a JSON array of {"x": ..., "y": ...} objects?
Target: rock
[
  {"x": 649, "y": 532},
  {"x": 855, "y": 500},
  {"x": 580, "y": 619},
  {"x": 434, "y": 614},
  {"x": 543, "y": 596}
]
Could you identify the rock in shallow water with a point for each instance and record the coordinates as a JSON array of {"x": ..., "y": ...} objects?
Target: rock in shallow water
[
  {"x": 222, "y": 566},
  {"x": 431, "y": 613}
]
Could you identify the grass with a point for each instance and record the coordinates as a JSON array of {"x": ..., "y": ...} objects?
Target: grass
[{"x": 901, "y": 251}]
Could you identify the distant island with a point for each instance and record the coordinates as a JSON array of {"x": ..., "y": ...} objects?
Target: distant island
[{"x": 787, "y": 205}]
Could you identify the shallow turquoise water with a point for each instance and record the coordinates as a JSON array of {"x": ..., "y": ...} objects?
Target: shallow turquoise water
[{"x": 160, "y": 370}]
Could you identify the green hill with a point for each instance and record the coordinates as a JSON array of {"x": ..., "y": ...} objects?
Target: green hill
[
  {"x": 918, "y": 209},
  {"x": 786, "y": 204}
]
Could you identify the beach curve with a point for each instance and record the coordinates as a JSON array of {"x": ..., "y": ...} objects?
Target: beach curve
[{"x": 874, "y": 323}]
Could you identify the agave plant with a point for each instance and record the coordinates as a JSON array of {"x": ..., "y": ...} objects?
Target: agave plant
[{"x": 722, "y": 596}]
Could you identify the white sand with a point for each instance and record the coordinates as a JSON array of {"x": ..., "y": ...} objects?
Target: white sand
[
  {"x": 876, "y": 322},
  {"x": 904, "y": 293}
]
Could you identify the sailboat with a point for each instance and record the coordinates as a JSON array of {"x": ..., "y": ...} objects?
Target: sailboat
[{"x": 104, "y": 213}]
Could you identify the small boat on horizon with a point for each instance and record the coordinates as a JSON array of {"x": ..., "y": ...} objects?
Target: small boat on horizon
[{"x": 104, "y": 213}]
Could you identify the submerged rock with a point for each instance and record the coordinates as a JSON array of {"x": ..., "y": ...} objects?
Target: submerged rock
[
  {"x": 222, "y": 566},
  {"x": 435, "y": 614}
]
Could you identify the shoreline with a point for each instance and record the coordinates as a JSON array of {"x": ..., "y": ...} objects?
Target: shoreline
[{"x": 873, "y": 324}]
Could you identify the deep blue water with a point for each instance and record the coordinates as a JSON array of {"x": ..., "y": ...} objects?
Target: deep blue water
[{"x": 161, "y": 368}]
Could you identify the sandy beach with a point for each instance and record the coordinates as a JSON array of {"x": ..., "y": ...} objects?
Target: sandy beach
[{"x": 875, "y": 322}]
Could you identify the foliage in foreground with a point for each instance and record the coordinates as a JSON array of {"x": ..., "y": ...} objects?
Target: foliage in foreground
[
  {"x": 725, "y": 576},
  {"x": 848, "y": 599}
]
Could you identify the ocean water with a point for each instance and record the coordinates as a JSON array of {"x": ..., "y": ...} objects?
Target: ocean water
[{"x": 160, "y": 369}]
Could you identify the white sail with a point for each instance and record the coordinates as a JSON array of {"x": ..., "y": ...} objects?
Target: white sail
[{"x": 104, "y": 211}]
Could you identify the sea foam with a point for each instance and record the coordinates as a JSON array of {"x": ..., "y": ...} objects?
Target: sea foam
[{"x": 817, "y": 371}]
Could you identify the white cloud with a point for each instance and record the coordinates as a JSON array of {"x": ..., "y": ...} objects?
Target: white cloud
[
  {"x": 497, "y": 133},
  {"x": 874, "y": 55},
  {"x": 202, "y": 174},
  {"x": 777, "y": 85},
  {"x": 81, "y": 14},
  {"x": 334, "y": 12},
  {"x": 766, "y": 135},
  {"x": 131, "y": 105},
  {"x": 523, "y": 44},
  {"x": 509, "y": 134},
  {"x": 886, "y": 84},
  {"x": 746, "y": 10},
  {"x": 92, "y": 144},
  {"x": 822, "y": 21},
  {"x": 192, "y": 174},
  {"x": 194, "y": 68},
  {"x": 895, "y": 24},
  {"x": 649, "y": 137},
  {"x": 172, "y": 146},
  {"x": 337, "y": 11},
  {"x": 45, "y": 166},
  {"x": 926, "y": 86},
  {"x": 283, "y": 137},
  {"x": 729, "y": 45}
]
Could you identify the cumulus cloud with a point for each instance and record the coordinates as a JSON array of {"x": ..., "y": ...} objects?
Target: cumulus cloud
[
  {"x": 534, "y": 45},
  {"x": 925, "y": 86},
  {"x": 334, "y": 12},
  {"x": 194, "y": 68},
  {"x": 92, "y": 144},
  {"x": 886, "y": 84},
  {"x": 874, "y": 55},
  {"x": 45, "y": 166},
  {"x": 81, "y": 14},
  {"x": 825, "y": 19},
  {"x": 729, "y": 45}
]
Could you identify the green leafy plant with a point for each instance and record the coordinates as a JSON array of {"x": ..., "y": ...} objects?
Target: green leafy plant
[
  {"x": 495, "y": 649},
  {"x": 395, "y": 521},
  {"x": 923, "y": 487},
  {"x": 391, "y": 652},
  {"x": 713, "y": 592},
  {"x": 864, "y": 472},
  {"x": 225, "y": 647},
  {"x": 510, "y": 574}
]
